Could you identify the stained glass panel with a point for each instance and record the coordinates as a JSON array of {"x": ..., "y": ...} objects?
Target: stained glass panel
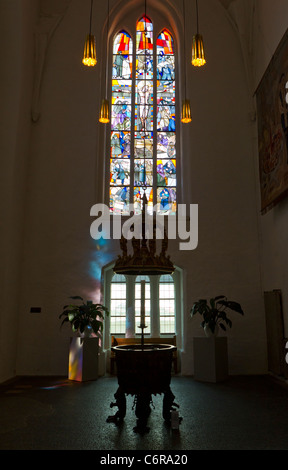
[
  {"x": 166, "y": 173},
  {"x": 165, "y": 118},
  {"x": 119, "y": 199},
  {"x": 121, "y": 102},
  {"x": 166, "y": 124},
  {"x": 144, "y": 92},
  {"x": 143, "y": 118},
  {"x": 135, "y": 158},
  {"x": 165, "y": 43},
  {"x": 165, "y": 67},
  {"x": 132, "y": 167},
  {"x": 123, "y": 44},
  {"x": 166, "y": 145},
  {"x": 166, "y": 200},
  {"x": 120, "y": 172},
  {"x": 144, "y": 35},
  {"x": 120, "y": 144},
  {"x": 166, "y": 93},
  {"x": 143, "y": 172},
  {"x": 121, "y": 115},
  {"x": 138, "y": 194},
  {"x": 144, "y": 101},
  {"x": 121, "y": 89},
  {"x": 122, "y": 66},
  {"x": 144, "y": 65},
  {"x": 143, "y": 145}
]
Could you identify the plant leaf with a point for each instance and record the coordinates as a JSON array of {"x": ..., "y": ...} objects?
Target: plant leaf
[
  {"x": 220, "y": 297},
  {"x": 232, "y": 306}
]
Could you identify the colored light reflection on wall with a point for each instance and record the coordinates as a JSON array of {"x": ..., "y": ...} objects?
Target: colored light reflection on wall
[
  {"x": 75, "y": 360},
  {"x": 101, "y": 257},
  {"x": 83, "y": 359}
]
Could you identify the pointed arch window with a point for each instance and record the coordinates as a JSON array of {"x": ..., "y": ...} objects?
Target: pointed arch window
[
  {"x": 143, "y": 129},
  {"x": 166, "y": 126},
  {"x": 121, "y": 108}
]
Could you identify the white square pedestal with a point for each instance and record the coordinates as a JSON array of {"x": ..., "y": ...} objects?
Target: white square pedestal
[
  {"x": 83, "y": 359},
  {"x": 210, "y": 359}
]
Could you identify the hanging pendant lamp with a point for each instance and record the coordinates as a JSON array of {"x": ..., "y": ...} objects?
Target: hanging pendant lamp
[
  {"x": 104, "y": 110},
  {"x": 198, "y": 56},
  {"x": 89, "y": 57},
  {"x": 186, "y": 110}
]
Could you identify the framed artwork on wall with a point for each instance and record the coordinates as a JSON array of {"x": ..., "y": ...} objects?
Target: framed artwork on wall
[{"x": 272, "y": 115}]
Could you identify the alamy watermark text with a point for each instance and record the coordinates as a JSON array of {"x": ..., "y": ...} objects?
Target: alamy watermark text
[{"x": 182, "y": 226}]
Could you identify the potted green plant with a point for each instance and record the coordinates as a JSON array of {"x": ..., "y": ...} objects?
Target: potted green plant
[
  {"x": 214, "y": 313},
  {"x": 86, "y": 318}
]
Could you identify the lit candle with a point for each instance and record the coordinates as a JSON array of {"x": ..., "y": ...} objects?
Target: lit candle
[{"x": 142, "y": 303}]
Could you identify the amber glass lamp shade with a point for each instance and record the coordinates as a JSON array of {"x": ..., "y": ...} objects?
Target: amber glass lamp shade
[
  {"x": 198, "y": 58},
  {"x": 104, "y": 112},
  {"x": 186, "y": 112},
  {"x": 89, "y": 57}
]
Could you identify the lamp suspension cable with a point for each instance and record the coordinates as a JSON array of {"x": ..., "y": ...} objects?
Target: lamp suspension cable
[
  {"x": 104, "y": 110},
  {"x": 145, "y": 92},
  {"x": 186, "y": 110},
  {"x": 198, "y": 56},
  {"x": 91, "y": 11},
  {"x": 89, "y": 57},
  {"x": 197, "y": 17}
]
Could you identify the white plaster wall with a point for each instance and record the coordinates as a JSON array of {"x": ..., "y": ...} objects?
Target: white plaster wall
[
  {"x": 16, "y": 58},
  {"x": 270, "y": 24},
  {"x": 222, "y": 181},
  {"x": 60, "y": 258},
  {"x": 58, "y": 248}
]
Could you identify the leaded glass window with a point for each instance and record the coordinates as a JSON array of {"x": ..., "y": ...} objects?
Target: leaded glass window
[
  {"x": 166, "y": 128},
  {"x": 160, "y": 304},
  {"x": 143, "y": 129},
  {"x": 121, "y": 107},
  {"x": 118, "y": 304},
  {"x": 138, "y": 304},
  {"x": 167, "y": 304}
]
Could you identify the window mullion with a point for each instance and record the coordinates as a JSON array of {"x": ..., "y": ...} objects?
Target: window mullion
[
  {"x": 130, "y": 307},
  {"x": 155, "y": 320},
  {"x": 133, "y": 122},
  {"x": 155, "y": 119}
]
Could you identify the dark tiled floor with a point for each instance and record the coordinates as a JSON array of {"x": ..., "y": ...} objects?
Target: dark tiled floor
[{"x": 56, "y": 414}]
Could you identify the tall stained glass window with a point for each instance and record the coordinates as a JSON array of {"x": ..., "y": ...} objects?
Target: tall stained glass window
[
  {"x": 143, "y": 131},
  {"x": 166, "y": 136},
  {"x": 121, "y": 108}
]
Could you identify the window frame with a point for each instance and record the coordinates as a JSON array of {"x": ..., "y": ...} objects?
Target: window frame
[
  {"x": 159, "y": 25},
  {"x": 154, "y": 296},
  {"x": 162, "y": 299},
  {"x": 119, "y": 298}
]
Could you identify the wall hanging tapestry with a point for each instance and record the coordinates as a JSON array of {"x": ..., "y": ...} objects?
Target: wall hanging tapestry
[{"x": 272, "y": 111}]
